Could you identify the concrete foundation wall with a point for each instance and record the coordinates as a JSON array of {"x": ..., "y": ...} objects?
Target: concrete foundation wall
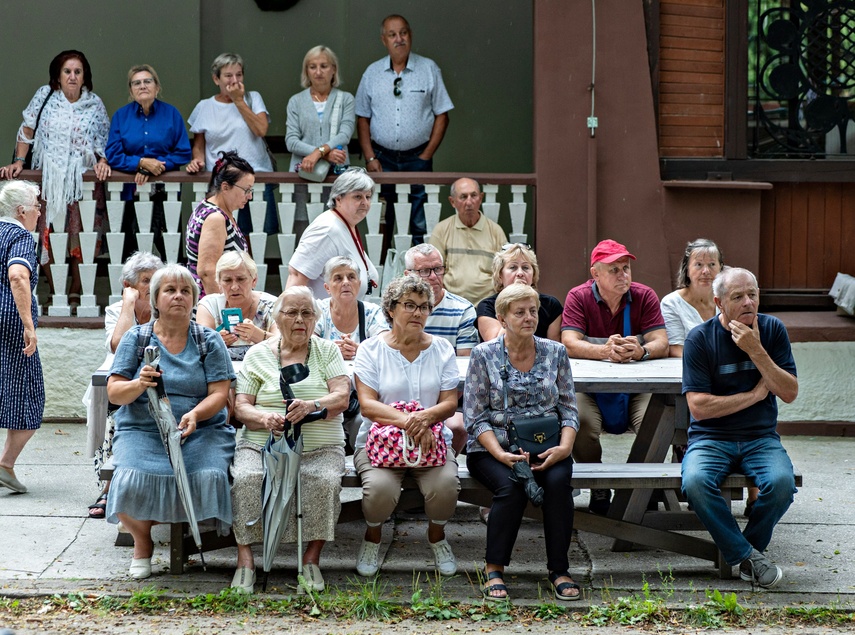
[
  {"x": 825, "y": 383},
  {"x": 825, "y": 375}
]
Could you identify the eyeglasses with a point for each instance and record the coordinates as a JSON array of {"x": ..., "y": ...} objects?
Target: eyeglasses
[
  {"x": 507, "y": 246},
  {"x": 293, "y": 314},
  {"x": 409, "y": 307},
  {"x": 246, "y": 190},
  {"x": 425, "y": 273},
  {"x": 396, "y": 86},
  {"x": 139, "y": 82}
]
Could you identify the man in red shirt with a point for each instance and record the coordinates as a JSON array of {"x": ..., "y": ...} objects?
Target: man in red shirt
[{"x": 614, "y": 319}]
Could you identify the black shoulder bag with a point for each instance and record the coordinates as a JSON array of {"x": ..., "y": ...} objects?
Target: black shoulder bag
[
  {"x": 353, "y": 405},
  {"x": 534, "y": 434}
]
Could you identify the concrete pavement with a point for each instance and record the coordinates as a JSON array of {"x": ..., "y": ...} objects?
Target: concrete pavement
[{"x": 49, "y": 545}]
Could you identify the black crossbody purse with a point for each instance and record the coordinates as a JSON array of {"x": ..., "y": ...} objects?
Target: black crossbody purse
[
  {"x": 28, "y": 159},
  {"x": 534, "y": 434}
]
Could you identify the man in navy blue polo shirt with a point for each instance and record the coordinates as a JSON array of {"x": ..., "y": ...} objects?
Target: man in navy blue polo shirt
[{"x": 735, "y": 365}]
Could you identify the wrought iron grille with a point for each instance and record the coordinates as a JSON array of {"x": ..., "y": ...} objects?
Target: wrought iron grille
[{"x": 802, "y": 79}]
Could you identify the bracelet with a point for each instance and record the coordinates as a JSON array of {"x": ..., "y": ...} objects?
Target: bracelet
[
  {"x": 21, "y": 159},
  {"x": 370, "y": 160}
]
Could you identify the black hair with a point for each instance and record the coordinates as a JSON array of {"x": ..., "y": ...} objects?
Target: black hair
[{"x": 229, "y": 168}]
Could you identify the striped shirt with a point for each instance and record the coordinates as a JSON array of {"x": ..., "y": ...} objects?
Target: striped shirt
[
  {"x": 453, "y": 319},
  {"x": 235, "y": 240},
  {"x": 259, "y": 377}
]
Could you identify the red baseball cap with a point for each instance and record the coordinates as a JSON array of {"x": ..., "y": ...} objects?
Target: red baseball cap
[{"x": 609, "y": 251}]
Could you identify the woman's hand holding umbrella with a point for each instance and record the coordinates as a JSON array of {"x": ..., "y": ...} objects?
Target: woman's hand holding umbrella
[{"x": 187, "y": 425}]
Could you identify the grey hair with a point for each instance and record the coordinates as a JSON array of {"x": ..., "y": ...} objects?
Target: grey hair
[
  {"x": 703, "y": 245},
  {"x": 399, "y": 287},
  {"x": 515, "y": 293},
  {"x": 426, "y": 249},
  {"x": 143, "y": 68},
  {"x": 337, "y": 262},
  {"x": 298, "y": 291},
  {"x": 352, "y": 180},
  {"x": 453, "y": 191},
  {"x": 137, "y": 264},
  {"x": 232, "y": 260},
  {"x": 15, "y": 194},
  {"x": 722, "y": 280},
  {"x": 315, "y": 51},
  {"x": 226, "y": 59},
  {"x": 172, "y": 271},
  {"x": 394, "y": 16}
]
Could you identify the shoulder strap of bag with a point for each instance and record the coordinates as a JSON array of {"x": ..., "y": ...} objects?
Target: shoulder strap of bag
[
  {"x": 196, "y": 332},
  {"x": 627, "y": 330},
  {"x": 41, "y": 110},
  {"x": 361, "y": 308}
]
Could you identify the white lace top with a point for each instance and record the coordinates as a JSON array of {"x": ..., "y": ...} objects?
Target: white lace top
[{"x": 69, "y": 139}]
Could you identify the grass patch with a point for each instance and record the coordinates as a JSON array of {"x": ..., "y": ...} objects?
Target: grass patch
[{"x": 433, "y": 606}]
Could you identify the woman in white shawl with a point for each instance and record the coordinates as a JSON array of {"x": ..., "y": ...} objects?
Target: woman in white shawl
[{"x": 66, "y": 127}]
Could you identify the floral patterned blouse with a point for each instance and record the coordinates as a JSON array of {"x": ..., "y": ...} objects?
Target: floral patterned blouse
[{"x": 546, "y": 388}]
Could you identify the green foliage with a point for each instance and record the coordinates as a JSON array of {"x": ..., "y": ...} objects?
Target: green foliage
[
  {"x": 547, "y": 609},
  {"x": 717, "y": 612},
  {"x": 492, "y": 611},
  {"x": 366, "y": 602},
  {"x": 147, "y": 600},
  {"x": 10, "y": 605},
  {"x": 634, "y": 610},
  {"x": 228, "y": 600},
  {"x": 434, "y": 606}
]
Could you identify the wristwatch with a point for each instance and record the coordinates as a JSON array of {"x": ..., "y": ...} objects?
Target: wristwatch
[
  {"x": 322, "y": 151},
  {"x": 646, "y": 354},
  {"x": 317, "y": 405}
]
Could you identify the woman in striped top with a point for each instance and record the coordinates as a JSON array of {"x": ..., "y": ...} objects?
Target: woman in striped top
[
  {"x": 212, "y": 228},
  {"x": 259, "y": 407}
]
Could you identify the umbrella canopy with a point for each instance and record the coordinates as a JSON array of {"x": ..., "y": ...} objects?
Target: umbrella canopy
[
  {"x": 161, "y": 412},
  {"x": 280, "y": 458}
]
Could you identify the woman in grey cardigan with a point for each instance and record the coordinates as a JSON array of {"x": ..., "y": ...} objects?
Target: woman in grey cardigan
[{"x": 320, "y": 119}]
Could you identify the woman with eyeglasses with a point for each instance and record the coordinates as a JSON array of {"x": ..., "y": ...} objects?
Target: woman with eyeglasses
[
  {"x": 212, "y": 229},
  {"x": 402, "y": 366},
  {"x": 517, "y": 264},
  {"x": 334, "y": 233},
  {"x": 260, "y": 408}
]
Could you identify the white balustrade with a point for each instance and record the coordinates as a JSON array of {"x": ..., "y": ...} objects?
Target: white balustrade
[
  {"x": 172, "y": 245},
  {"x": 261, "y": 285},
  {"x": 172, "y": 214},
  {"x": 88, "y": 242},
  {"x": 283, "y": 275},
  {"x": 258, "y": 243},
  {"x": 87, "y": 215},
  {"x": 403, "y": 209},
  {"x": 144, "y": 211},
  {"x": 114, "y": 270},
  {"x": 88, "y": 303},
  {"x": 287, "y": 211}
]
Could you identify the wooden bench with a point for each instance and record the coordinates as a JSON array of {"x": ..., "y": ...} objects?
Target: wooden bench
[{"x": 656, "y": 529}]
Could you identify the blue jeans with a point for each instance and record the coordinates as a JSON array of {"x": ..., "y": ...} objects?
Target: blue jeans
[
  {"x": 707, "y": 463},
  {"x": 404, "y": 161}
]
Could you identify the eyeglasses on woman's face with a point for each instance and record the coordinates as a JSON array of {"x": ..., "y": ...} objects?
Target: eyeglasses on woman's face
[
  {"x": 148, "y": 81},
  {"x": 247, "y": 191},
  {"x": 412, "y": 307},
  {"x": 293, "y": 314}
]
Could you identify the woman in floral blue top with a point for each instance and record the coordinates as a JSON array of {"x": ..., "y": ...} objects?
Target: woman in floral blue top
[{"x": 519, "y": 374}]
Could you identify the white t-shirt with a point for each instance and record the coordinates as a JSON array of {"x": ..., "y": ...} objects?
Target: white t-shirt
[
  {"x": 680, "y": 317},
  {"x": 225, "y": 129},
  {"x": 385, "y": 370},
  {"x": 329, "y": 236}
]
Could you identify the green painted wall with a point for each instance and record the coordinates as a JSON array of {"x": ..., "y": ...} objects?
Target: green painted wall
[{"x": 483, "y": 47}]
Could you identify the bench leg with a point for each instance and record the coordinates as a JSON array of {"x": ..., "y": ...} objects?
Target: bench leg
[{"x": 177, "y": 557}]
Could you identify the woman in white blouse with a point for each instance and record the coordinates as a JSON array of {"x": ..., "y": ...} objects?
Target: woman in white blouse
[{"x": 692, "y": 303}]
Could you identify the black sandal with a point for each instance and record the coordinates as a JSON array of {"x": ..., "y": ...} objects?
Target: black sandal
[
  {"x": 487, "y": 589},
  {"x": 98, "y": 509},
  {"x": 564, "y": 586}
]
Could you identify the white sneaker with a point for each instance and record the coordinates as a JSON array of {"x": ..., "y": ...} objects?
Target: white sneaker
[
  {"x": 446, "y": 563},
  {"x": 368, "y": 559}
]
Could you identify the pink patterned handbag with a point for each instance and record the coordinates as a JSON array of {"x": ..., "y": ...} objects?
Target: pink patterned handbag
[{"x": 391, "y": 446}]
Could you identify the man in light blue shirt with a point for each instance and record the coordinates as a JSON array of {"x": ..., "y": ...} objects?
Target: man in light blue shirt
[{"x": 402, "y": 114}]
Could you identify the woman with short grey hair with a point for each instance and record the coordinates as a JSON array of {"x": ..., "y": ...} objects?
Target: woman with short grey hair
[
  {"x": 334, "y": 233},
  {"x": 195, "y": 372},
  {"x": 235, "y": 119},
  {"x": 22, "y": 389}
]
